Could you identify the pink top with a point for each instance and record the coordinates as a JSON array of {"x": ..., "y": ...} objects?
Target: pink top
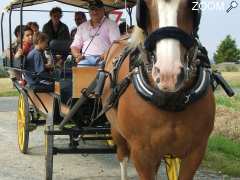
[{"x": 107, "y": 33}]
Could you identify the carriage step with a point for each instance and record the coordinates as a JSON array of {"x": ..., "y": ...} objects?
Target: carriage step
[
  {"x": 84, "y": 131},
  {"x": 84, "y": 151},
  {"x": 38, "y": 122},
  {"x": 97, "y": 138}
]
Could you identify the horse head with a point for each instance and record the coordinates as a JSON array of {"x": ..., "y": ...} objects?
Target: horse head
[{"x": 170, "y": 28}]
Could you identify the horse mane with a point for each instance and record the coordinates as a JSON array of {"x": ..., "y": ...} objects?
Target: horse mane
[{"x": 137, "y": 37}]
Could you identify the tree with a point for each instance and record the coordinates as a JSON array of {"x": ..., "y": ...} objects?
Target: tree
[{"x": 227, "y": 51}]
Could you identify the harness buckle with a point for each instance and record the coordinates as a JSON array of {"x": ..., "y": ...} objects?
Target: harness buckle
[{"x": 187, "y": 98}]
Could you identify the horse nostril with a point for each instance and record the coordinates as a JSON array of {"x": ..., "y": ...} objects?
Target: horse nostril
[
  {"x": 158, "y": 80},
  {"x": 181, "y": 76}
]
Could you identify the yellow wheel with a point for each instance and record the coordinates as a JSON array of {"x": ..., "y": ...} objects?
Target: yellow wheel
[
  {"x": 110, "y": 141},
  {"x": 172, "y": 167},
  {"x": 23, "y": 122}
]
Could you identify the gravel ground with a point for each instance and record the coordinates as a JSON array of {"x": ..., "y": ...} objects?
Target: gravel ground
[{"x": 17, "y": 166}]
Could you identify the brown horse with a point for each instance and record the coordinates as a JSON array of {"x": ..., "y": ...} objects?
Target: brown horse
[{"x": 142, "y": 131}]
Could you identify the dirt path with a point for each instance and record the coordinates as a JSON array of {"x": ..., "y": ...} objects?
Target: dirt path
[{"x": 16, "y": 166}]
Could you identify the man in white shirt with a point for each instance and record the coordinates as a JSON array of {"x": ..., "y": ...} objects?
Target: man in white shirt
[{"x": 95, "y": 36}]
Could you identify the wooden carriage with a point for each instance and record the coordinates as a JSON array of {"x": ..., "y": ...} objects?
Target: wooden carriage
[{"x": 41, "y": 107}]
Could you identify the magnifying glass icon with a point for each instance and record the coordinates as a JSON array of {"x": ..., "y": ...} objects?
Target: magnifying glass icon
[{"x": 233, "y": 4}]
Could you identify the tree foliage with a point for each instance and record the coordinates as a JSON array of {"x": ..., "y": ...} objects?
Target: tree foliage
[{"x": 227, "y": 51}]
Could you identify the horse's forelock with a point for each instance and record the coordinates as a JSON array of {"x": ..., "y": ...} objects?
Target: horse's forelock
[{"x": 137, "y": 37}]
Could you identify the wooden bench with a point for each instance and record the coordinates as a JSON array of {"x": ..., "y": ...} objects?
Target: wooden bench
[{"x": 82, "y": 77}]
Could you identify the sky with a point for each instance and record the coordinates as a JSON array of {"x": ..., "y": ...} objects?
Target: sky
[{"x": 215, "y": 24}]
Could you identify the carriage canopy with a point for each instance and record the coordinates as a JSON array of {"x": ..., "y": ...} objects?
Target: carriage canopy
[{"x": 109, "y": 4}]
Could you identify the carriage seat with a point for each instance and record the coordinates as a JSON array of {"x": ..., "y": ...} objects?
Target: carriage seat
[
  {"x": 82, "y": 78},
  {"x": 42, "y": 87}
]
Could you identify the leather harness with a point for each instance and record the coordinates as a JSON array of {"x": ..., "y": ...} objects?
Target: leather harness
[{"x": 137, "y": 76}]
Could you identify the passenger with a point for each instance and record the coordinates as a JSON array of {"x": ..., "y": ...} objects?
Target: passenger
[
  {"x": 36, "y": 60},
  {"x": 15, "y": 43},
  {"x": 13, "y": 73},
  {"x": 95, "y": 36},
  {"x": 27, "y": 43},
  {"x": 54, "y": 28},
  {"x": 34, "y": 26},
  {"x": 79, "y": 18}
]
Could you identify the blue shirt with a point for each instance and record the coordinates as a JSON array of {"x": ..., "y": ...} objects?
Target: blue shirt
[{"x": 34, "y": 63}]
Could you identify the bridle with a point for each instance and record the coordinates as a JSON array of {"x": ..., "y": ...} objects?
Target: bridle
[
  {"x": 197, "y": 63},
  {"x": 190, "y": 42}
]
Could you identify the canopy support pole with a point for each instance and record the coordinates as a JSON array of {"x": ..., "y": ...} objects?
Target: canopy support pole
[
  {"x": 2, "y": 37},
  {"x": 21, "y": 31},
  {"x": 10, "y": 37}
]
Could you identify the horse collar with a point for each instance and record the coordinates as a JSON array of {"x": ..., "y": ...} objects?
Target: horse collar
[{"x": 167, "y": 100}]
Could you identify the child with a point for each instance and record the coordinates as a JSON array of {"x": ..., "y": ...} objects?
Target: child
[
  {"x": 27, "y": 43},
  {"x": 36, "y": 61}
]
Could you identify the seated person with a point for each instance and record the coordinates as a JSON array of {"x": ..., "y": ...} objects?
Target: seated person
[
  {"x": 95, "y": 36},
  {"x": 15, "y": 43},
  {"x": 27, "y": 43},
  {"x": 54, "y": 28},
  {"x": 79, "y": 18},
  {"x": 37, "y": 62},
  {"x": 16, "y": 51},
  {"x": 34, "y": 26},
  {"x": 14, "y": 46}
]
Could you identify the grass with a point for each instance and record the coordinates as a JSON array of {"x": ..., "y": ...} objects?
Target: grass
[
  {"x": 6, "y": 88},
  {"x": 223, "y": 155},
  {"x": 232, "y": 103},
  {"x": 9, "y": 94},
  {"x": 233, "y": 78}
]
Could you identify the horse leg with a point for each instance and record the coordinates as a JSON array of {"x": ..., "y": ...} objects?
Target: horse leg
[
  {"x": 123, "y": 166},
  {"x": 190, "y": 164},
  {"x": 144, "y": 164},
  {"x": 122, "y": 152}
]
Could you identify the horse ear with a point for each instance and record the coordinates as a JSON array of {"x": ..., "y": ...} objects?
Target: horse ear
[
  {"x": 142, "y": 14},
  {"x": 197, "y": 13}
]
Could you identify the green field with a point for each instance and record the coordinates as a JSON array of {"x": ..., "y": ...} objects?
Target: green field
[{"x": 223, "y": 155}]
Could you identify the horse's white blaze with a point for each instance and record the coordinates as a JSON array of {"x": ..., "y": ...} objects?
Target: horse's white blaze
[
  {"x": 123, "y": 166},
  {"x": 167, "y": 50}
]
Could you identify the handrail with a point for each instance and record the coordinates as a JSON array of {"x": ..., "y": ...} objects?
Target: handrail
[
  {"x": 2, "y": 36},
  {"x": 21, "y": 30},
  {"x": 39, "y": 10}
]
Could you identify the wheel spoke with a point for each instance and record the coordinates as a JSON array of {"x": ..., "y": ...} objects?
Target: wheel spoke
[{"x": 21, "y": 123}]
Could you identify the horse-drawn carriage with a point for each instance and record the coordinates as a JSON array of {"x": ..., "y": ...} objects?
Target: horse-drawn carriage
[
  {"x": 75, "y": 106},
  {"x": 71, "y": 107}
]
